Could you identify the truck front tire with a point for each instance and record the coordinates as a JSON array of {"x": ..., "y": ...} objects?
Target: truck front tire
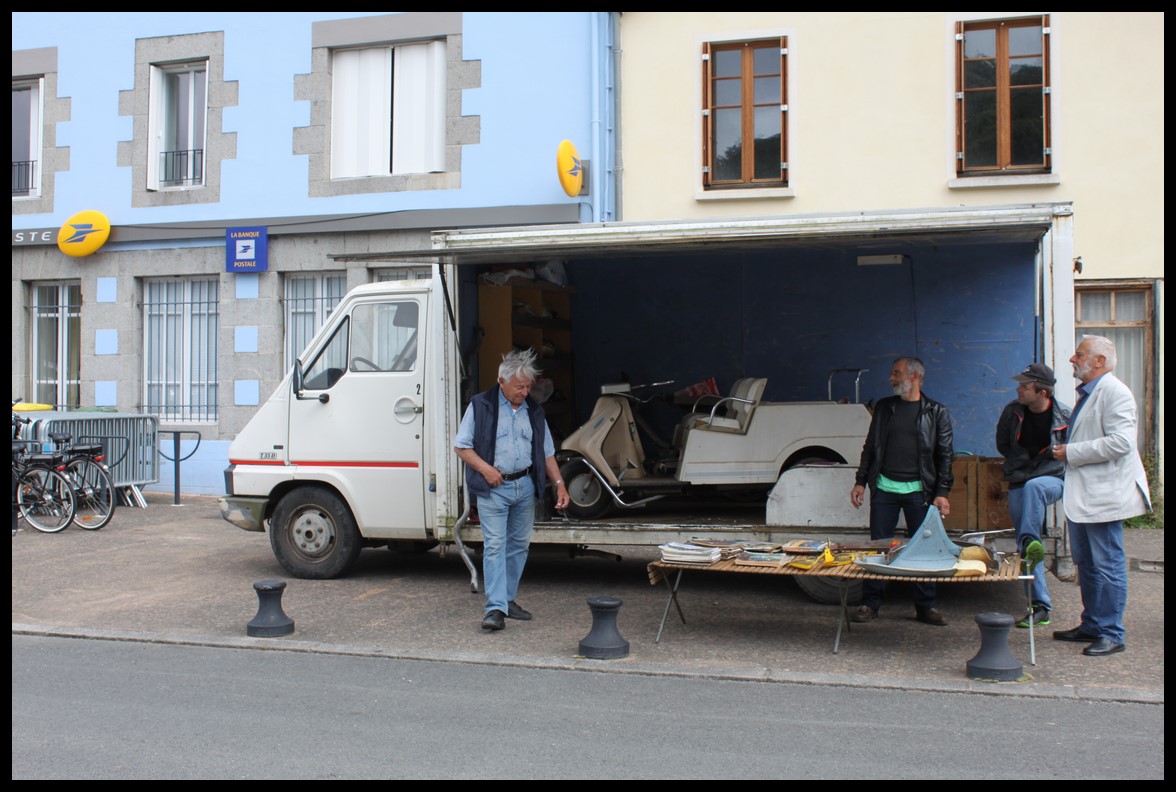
[{"x": 313, "y": 534}]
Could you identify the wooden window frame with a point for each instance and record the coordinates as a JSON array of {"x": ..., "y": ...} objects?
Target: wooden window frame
[
  {"x": 1003, "y": 98},
  {"x": 748, "y": 106},
  {"x": 1147, "y": 324}
]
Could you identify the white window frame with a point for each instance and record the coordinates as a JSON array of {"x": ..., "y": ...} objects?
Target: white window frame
[
  {"x": 56, "y": 356},
  {"x": 307, "y": 304},
  {"x": 163, "y": 137},
  {"x": 181, "y": 321},
  {"x": 36, "y": 134},
  {"x": 388, "y": 110}
]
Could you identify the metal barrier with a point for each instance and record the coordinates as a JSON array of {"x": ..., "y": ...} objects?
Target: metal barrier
[{"x": 128, "y": 440}]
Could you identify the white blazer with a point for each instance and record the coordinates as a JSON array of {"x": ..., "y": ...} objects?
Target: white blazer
[{"x": 1105, "y": 479}]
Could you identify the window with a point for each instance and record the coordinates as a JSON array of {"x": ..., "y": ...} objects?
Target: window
[
  {"x": 745, "y": 105},
  {"x": 1124, "y": 313},
  {"x": 180, "y": 323},
  {"x": 406, "y": 272},
  {"x": 26, "y": 138},
  {"x": 385, "y": 337},
  {"x": 385, "y": 94},
  {"x": 179, "y": 109},
  {"x": 309, "y": 301},
  {"x": 1003, "y": 96},
  {"x": 388, "y": 110},
  {"x": 57, "y": 350}
]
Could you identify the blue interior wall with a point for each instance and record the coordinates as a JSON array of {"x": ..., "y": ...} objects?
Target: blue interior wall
[{"x": 968, "y": 311}]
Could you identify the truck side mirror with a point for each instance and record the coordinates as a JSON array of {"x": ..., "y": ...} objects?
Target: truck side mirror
[{"x": 296, "y": 382}]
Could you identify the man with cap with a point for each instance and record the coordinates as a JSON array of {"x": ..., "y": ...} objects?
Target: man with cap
[{"x": 1028, "y": 428}]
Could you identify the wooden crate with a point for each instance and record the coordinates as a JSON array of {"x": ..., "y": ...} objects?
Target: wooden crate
[{"x": 979, "y": 497}]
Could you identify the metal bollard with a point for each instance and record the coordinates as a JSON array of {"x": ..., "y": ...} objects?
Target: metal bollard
[
  {"x": 604, "y": 641},
  {"x": 994, "y": 662},
  {"x": 270, "y": 621}
]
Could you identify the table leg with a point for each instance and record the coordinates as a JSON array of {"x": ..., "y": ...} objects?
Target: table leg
[
  {"x": 843, "y": 617},
  {"x": 673, "y": 600}
]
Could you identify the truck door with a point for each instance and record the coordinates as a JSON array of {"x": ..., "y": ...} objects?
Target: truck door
[{"x": 358, "y": 422}]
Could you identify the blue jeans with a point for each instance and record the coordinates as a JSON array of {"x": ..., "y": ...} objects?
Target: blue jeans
[
  {"x": 1102, "y": 577},
  {"x": 507, "y": 515},
  {"x": 1027, "y": 506},
  {"x": 884, "y": 510}
]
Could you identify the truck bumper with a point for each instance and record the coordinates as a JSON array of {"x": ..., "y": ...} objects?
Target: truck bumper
[{"x": 244, "y": 512}]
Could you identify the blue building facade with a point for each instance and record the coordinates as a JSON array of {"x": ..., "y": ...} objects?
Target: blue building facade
[{"x": 241, "y": 160}]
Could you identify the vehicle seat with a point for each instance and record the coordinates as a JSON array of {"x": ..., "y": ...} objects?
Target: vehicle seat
[{"x": 740, "y": 405}]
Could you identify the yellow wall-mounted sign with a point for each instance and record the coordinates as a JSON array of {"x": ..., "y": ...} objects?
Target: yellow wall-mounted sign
[
  {"x": 571, "y": 170},
  {"x": 83, "y": 233}
]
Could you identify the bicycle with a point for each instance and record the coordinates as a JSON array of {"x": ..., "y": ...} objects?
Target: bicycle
[
  {"x": 93, "y": 485},
  {"x": 41, "y": 494}
]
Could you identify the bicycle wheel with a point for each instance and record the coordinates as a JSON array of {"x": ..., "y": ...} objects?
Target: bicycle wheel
[
  {"x": 45, "y": 499},
  {"x": 94, "y": 492}
]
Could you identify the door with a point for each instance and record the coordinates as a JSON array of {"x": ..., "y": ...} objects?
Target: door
[{"x": 359, "y": 421}]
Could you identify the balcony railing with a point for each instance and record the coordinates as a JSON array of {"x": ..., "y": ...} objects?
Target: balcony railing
[
  {"x": 22, "y": 177},
  {"x": 181, "y": 168}
]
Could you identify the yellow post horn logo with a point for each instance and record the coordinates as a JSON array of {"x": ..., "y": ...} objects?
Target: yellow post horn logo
[{"x": 83, "y": 233}]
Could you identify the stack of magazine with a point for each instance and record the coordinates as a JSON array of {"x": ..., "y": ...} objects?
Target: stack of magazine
[{"x": 689, "y": 553}]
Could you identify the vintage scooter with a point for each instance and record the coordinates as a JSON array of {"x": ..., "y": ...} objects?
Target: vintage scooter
[{"x": 735, "y": 445}]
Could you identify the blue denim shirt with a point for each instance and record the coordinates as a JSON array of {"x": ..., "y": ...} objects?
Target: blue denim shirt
[{"x": 512, "y": 447}]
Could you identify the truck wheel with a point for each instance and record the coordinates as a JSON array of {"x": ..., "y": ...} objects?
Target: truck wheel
[
  {"x": 827, "y": 592},
  {"x": 589, "y": 500},
  {"x": 313, "y": 534}
]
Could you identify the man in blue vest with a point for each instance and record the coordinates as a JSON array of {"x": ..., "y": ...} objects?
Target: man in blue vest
[{"x": 509, "y": 455}]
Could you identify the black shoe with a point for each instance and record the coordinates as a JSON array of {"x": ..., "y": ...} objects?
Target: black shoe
[
  {"x": 1076, "y": 634},
  {"x": 494, "y": 620},
  {"x": 1103, "y": 646},
  {"x": 515, "y": 611},
  {"x": 864, "y": 614},
  {"x": 931, "y": 616}
]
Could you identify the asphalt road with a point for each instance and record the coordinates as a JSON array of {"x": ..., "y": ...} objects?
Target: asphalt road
[{"x": 101, "y": 709}]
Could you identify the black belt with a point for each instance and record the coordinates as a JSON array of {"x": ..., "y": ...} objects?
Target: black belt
[{"x": 518, "y": 474}]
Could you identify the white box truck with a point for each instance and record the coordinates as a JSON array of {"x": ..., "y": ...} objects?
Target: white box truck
[{"x": 354, "y": 447}]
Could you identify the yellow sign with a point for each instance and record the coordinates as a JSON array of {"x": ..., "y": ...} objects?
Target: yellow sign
[
  {"x": 83, "y": 233},
  {"x": 571, "y": 171}
]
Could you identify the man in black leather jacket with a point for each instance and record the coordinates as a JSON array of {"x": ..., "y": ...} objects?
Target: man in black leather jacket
[{"x": 906, "y": 462}]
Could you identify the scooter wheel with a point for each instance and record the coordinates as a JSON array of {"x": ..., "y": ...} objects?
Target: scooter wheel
[{"x": 589, "y": 499}]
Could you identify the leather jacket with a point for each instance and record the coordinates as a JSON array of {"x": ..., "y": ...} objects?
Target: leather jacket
[
  {"x": 1019, "y": 466},
  {"x": 934, "y": 444}
]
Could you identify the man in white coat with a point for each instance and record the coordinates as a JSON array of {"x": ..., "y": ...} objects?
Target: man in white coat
[{"x": 1105, "y": 484}]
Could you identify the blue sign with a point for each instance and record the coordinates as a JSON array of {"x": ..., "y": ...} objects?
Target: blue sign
[{"x": 246, "y": 250}]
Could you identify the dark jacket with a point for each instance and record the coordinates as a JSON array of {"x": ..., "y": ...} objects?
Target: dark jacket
[
  {"x": 485, "y": 406},
  {"x": 1019, "y": 465},
  {"x": 934, "y": 444}
]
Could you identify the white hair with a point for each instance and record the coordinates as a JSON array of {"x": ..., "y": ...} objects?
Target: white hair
[
  {"x": 518, "y": 363},
  {"x": 1101, "y": 345}
]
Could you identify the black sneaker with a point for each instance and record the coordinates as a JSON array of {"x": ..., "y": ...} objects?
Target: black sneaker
[{"x": 1039, "y": 617}]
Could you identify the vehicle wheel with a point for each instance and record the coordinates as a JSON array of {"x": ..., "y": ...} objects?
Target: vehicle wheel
[
  {"x": 827, "y": 592},
  {"x": 313, "y": 534},
  {"x": 589, "y": 500},
  {"x": 94, "y": 491},
  {"x": 45, "y": 499}
]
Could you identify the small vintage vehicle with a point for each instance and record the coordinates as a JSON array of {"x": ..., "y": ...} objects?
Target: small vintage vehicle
[{"x": 736, "y": 444}]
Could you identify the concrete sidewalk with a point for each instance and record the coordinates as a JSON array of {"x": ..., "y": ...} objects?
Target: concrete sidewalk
[{"x": 180, "y": 574}]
